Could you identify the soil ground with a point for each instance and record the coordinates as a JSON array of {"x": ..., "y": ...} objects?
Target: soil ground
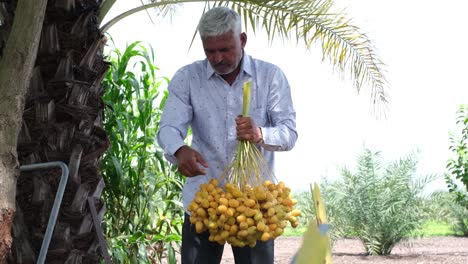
[{"x": 430, "y": 250}]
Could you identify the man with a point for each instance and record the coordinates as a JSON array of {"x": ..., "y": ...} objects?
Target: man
[{"x": 207, "y": 96}]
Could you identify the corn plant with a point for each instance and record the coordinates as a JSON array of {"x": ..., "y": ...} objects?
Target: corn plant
[
  {"x": 381, "y": 205},
  {"x": 144, "y": 213}
]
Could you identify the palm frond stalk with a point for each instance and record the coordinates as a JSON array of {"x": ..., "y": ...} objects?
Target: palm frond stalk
[{"x": 342, "y": 43}]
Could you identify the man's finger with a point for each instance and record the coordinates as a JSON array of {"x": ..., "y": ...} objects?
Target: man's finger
[
  {"x": 193, "y": 168},
  {"x": 183, "y": 171},
  {"x": 202, "y": 161}
]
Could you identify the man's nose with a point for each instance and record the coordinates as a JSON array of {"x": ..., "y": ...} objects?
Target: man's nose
[{"x": 217, "y": 57}]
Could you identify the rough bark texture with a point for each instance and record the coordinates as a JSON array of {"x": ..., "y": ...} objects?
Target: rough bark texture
[
  {"x": 6, "y": 218},
  {"x": 18, "y": 47},
  {"x": 8, "y": 163},
  {"x": 62, "y": 122}
]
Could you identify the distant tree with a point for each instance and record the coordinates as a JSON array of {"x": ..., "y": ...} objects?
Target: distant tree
[{"x": 458, "y": 165}]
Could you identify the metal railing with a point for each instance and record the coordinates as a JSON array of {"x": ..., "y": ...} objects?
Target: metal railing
[{"x": 57, "y": 202}]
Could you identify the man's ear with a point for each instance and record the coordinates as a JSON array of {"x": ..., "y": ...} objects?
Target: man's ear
[{"x": 243, "y": 39}]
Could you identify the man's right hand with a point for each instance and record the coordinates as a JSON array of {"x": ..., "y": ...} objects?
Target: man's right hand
[{"x": 188, "y": 161}]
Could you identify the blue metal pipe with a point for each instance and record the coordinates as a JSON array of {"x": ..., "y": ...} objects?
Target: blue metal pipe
[{"x": 57, "y": 202}]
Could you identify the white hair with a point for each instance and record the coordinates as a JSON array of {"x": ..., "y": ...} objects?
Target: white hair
[{"x": 219, "y": 20}]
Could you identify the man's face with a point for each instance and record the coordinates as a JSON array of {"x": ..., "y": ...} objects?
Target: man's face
[{"x": 224, "y": 52}]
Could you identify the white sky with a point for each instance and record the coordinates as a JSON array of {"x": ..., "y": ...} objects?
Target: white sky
[{"x": 423, "y": 44}]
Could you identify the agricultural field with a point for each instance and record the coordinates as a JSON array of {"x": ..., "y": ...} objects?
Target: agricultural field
[{"x": 438, "y": 244}]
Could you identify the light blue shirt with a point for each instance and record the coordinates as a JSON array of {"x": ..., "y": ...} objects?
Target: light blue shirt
[{"x": 200, "y": 98}]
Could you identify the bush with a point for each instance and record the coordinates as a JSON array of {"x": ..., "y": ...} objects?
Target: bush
[{"x": 380, "y": 205}]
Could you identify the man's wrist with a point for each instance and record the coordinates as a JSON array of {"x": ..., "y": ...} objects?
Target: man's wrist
[
  {"x": 260, "y": 135},
  {"x": 178, "y": 150}
]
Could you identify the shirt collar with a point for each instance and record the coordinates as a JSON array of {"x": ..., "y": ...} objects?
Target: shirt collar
[{"x": 246, "y": 66}]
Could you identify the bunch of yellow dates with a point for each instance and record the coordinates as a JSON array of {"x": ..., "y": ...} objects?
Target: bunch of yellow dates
[{"x": 241, "y": 217}]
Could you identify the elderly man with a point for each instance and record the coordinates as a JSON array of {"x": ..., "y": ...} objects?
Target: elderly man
[{"x": 207, "y": 96}]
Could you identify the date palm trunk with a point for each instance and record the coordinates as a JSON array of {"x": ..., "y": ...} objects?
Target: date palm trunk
[{"x": 62, "y": 121}]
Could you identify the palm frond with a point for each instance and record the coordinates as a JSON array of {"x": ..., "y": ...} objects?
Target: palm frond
[{"x": 166, "y": 10}]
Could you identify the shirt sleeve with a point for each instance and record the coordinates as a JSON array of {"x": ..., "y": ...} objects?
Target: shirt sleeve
[
  {"x": 282, "y": 134},
  {"x": 176, "y": 116}
]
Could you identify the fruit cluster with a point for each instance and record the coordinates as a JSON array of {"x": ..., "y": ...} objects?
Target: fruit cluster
[{"x": 241, "y": 217}]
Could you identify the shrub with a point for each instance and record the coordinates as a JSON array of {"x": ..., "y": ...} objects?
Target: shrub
[{"x": 381, "y": 205}]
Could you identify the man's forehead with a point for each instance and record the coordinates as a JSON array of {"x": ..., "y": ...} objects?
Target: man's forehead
[{"x": 220, "y": 37}]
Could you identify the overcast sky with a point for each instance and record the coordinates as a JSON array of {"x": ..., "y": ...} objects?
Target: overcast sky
[{"x": 422, "y": 43}]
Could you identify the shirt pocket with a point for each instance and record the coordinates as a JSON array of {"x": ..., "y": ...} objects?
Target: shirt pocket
[{"x": 259, "y": 115}]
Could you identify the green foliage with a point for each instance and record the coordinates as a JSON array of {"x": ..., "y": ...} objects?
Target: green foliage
[
  {"x": 444, "y": 208},
  {"x": 434, "y": 228},
  {"x": 380, "y": 205},
  {"x": 429, "y": 228},
  {"x": 458, "y": 164},
  {"x": 142, "y": 194}
]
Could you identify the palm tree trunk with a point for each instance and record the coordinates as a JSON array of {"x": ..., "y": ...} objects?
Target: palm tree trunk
[
  {"x": 62, "y": 122},
  {"x": 19, "y": 41}
]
